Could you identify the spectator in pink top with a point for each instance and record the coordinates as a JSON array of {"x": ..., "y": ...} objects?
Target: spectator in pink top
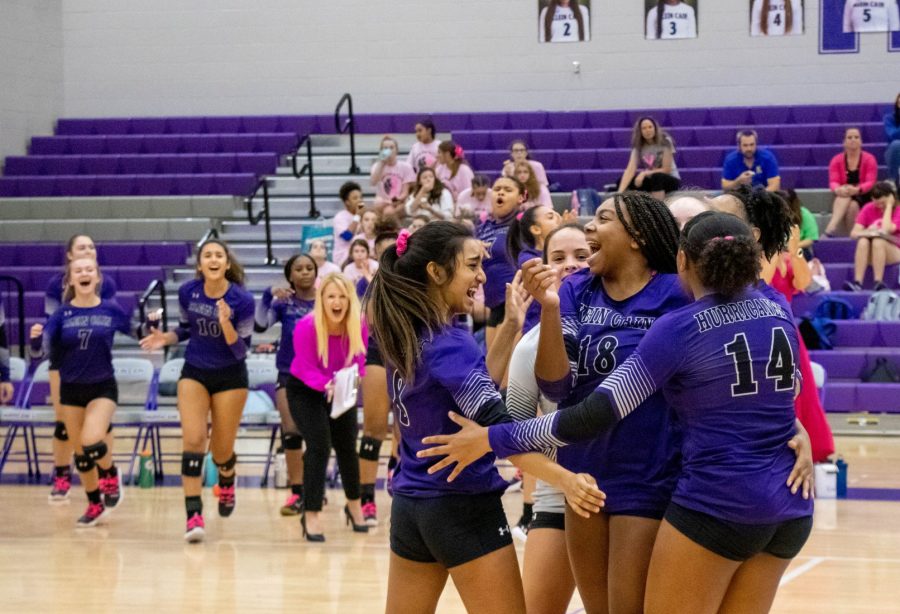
[
  {"x": 430, "y": 197},
  {"x": 424, "y": 152},
  {"x": 851, "y": 175},
  {"x": 392, "y": 178},
  {"x": 346, "y": 223},
  {"x": 368, "y": 223},
  {"x": 518, "y": 151},
  {"x": 360, "y": 264},
  {"x": 538, "y": 194},
  {"x": 877, "y": 229},
  {"x": 331, "y": 338},
  {"x": 453, "y": 169},
  {"x": 474, "y": 202}
]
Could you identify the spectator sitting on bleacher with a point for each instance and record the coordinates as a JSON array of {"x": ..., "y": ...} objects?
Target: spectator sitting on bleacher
[
  {"x": 367, "y": 226},
  {"x": 347, "y": 222},
  {"x": 892, "y": 136},
  {"x": 803, "y": 217},
  {"x": 851, "y": 175},
  {"x": 518, "y": 152},
  {"x": 360, "y": 263},
  {"x": 424, "y": 151},
  {"x": 538, "y": 194},
  {"x": 877, "y": 231},
  {"x": 749, "y": 165},
  {"x": 391, "y": 177},
  {"x": 430, "y": 197},
  {"x": 319, "y": 251},
  {"x": 453, "y": 169},
  {"x": 475, "y": 202},
  {"x": 417, "y": 222},
  {"x": 651, "y": 167}
]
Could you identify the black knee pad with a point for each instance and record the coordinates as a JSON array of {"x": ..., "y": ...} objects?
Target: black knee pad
[
  {"x": 227, "y": 465},
  {"x": 60, "y": 431},
  {"x": 369, "y": 448},
  {"x": 96, "y": 451},
  {"x": 192, "y": 464},
  {"x": 292, "y": 441},
  {"x": 83, "y": 463}
]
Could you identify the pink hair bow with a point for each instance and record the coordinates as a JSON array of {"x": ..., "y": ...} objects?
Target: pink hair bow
[{"x": 458, "y": 152}]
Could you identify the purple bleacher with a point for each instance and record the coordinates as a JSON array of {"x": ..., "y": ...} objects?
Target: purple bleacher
[
  {"x": 261, "y": 123},
  {"x": 531, "y": 120},
  {"x": 148, "y": 125},
  {"x": 839, "y": 272},
  {"x": 851, "y": 113},
  {"x": 847, "y": 364},
  {"x": 840, "y": 397},
  {"x": 186, "y": 125},
  {"x": 607, "y": 119},
  {"x": 857, "y": 333},
  {"x": 760, "y": 116},
  {"x": 223, "y": 125},
  {"x": 686, "y": 117},
  {"x": 550, "y": 139},
  {"x": 383, "y": 124},
  {"x": 31, "y": 254},
  {"x": 729, "y": 116},
  {"x": 238, "y": 184},
  {"x": 27, "y": 255},
  {"x": 180, "y": 164},
  {"x": 570, "y": 120},
  {"x": 806, "y": 303},
  {"x": 837, "y": 249},
  {"x": 492, "y": 121},
  {"x": 878, "y": 397},
  {"x": 136, "y": 278}
]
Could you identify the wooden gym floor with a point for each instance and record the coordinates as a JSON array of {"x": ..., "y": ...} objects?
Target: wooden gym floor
[{"x": 255, "y": 561}]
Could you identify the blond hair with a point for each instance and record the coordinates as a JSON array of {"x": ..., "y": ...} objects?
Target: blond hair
[
  {"x": 352, "y": 321},
  {"x": 68, "y": 288}
]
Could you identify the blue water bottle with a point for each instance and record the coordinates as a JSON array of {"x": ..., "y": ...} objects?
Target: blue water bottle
[
  {"x": 841, "y": 478},
  {"x": 210, "y": 471}
]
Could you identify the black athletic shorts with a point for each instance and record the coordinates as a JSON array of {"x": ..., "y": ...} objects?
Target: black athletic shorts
[
  {"x": 373, "y": 353},
  {"x": 79, "y": 395},
  {"x": 282, "y": 380},
  {"x": 450, "y": 530},
  {"x": 232, "y": 377},
  {"x": 739, "y": 542},
  {"x": 548, "y": 520},
  {"x": 498, "y": 312}
]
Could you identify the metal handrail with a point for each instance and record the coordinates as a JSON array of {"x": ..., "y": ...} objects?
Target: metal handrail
[
  {"x": 212, "y": 233},
  {"x": 262, "y": 215},
  {"x": 348, "y": 124},
  {"x": 307, "y": 170},
  {"x": 20, "y": 307},
  {"x": 157, "y": 286}
]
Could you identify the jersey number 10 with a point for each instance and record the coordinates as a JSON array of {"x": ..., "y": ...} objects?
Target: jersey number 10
[{"x": 780, "y": 367}]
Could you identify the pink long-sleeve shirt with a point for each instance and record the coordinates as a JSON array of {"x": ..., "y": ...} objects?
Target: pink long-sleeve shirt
[
  {"x": 308, "y": 368},
  {"x": 868, "y": 172}
]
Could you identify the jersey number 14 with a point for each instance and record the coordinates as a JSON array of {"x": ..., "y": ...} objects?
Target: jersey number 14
[{"x": 780, "y": 366}]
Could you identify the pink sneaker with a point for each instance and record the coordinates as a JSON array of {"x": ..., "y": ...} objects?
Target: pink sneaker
[
  {"x": 370, "y": 514},
  {"x": 196, "y": 529},
  {"x": 112, "y": 491},
  {"x": 91, "y": 517},
  {"x": 61, "y": 486},
  {"x": 293, "y": 506},
  {"x": 226, "y": 500}
]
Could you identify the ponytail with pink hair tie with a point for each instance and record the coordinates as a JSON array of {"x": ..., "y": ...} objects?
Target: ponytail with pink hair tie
[
  {"x": 402, "y": 241},
  {"x": 519, "y": 215},
  {"x": 458, "y": 152}
]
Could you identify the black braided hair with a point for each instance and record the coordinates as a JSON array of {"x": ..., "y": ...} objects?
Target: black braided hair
[
  {"x": 769, "y": 213},
  {"x": 652, "y": 227}
]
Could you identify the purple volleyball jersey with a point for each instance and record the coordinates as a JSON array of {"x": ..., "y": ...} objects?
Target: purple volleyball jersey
[
  {"x": 636, "y": 462},
  {"x": 498, "y": 269},
  {"x": 79, "y": 340},
  {"x": 451, "y": 376},
  {"x": 199, "y": 322},
  {"x": 288, "y": 312}
]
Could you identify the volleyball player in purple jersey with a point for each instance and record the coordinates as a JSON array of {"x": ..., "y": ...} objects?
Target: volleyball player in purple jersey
[
  {"x": 726, "y": 364},
  {"x": 78, "y": 339},
  {"x": 440, "y": 528},
  {"x": 78, "y": 246},
  {"x": 287, "y": 306},
  {"x": 508, "y": 197},
  {"x": 217, "y": 318}
]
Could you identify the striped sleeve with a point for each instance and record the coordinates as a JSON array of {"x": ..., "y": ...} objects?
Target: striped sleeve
[
  {"x": 629, "y": 385},
  {"x": 457, "y": 362}
]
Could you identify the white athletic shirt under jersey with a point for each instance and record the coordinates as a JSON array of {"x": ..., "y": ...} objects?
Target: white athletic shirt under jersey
[
  {"x": 777, "y": 18},
  {"x": 522, "y": 400},
  {"x": 679, "y": 21},
  {"x": 564, "y": 28},
  {"x": 871, "y": 16}
]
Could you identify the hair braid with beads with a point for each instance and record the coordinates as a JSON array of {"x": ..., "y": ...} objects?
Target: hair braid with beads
[{"x": 652, "y": 226}]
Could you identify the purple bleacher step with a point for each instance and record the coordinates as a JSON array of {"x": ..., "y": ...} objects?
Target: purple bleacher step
[
  {"x": 804, "y": 304},
  {"x": 134, "y": 254},
  {"x": 864, "y": 334},
  {"x": 844, "y": 397},
  {"x": 851, "y": 363}
]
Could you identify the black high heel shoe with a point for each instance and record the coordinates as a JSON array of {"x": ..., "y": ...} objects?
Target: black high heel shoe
[
  {"x": 310, "y": 537},
  {"x": 357, "y": 528}
]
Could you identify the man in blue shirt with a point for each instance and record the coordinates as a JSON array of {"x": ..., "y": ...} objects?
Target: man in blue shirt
[{"x": 749, "y": 165}]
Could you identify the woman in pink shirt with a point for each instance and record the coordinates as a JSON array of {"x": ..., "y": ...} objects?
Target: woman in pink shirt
[
  {"x": 474, "y": 202},
  {"x": 331, "y": 338},
  {"x": 518, "y": 152},
  {"x": 360, "y": 263},
  {"x": 368, "y": 223},
  {"x": 851, "y": 175},
  {"x": 424, "y": 152},
  {"x": 391, "y": 177},
  {"x": 877, "y": 229},
  {"x": 538, "y": 194},
  {"x": 453, "y": 169}
]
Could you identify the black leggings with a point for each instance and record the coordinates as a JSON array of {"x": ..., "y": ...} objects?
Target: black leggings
[
  {"x": 657, "y": 182},
  {"x": 311, "y": 413}
]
